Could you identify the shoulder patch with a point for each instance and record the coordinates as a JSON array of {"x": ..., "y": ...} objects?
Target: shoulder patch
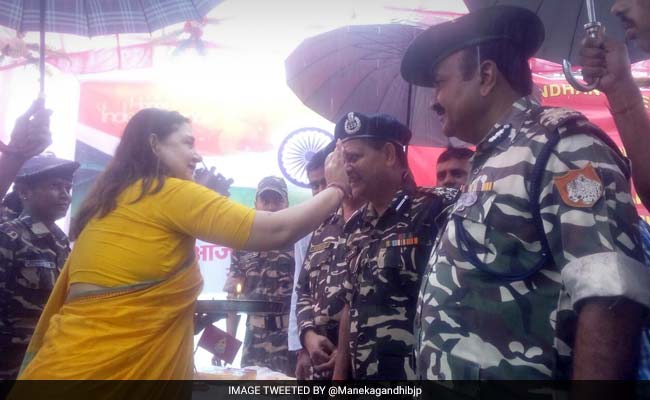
[
  {"x": 556, "y": 116},
  {"x": 580, "y": 188}
]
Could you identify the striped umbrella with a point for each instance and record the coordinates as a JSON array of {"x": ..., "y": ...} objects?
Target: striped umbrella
[{"x": 97, "y": 17}]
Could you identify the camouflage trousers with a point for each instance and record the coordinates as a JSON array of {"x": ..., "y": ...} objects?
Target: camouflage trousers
[
  {"x": 268, "y": 348},
  {"x": 11, "y": 357}
]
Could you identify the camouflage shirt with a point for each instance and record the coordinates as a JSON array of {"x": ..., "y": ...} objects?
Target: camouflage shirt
[
  {"x": 7, "y": 214},
  {"x": 386, "y": 256},
  {"x": 474, "y": 325},
  {"x": 322, "y": 283},
  {"x": 31, "y": 257},
  {"x": 266, "y": 275}
]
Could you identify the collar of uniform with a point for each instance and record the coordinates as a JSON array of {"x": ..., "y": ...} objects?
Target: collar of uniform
[
  {"x": 401, "y": 203},
  {"x": 40, "y": 229},
  {"x": 335, "y": 218},
  {"x": 511, "y": 121},
  {"x": 367, "y": 215}
]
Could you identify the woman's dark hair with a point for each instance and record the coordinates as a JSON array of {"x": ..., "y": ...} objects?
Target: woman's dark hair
[{"x": 134, "y": 159}]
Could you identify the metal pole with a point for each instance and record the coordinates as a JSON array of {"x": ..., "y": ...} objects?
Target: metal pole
[
  {"x": 409, "y": 104},
  {"x": 41, "y": 60}
]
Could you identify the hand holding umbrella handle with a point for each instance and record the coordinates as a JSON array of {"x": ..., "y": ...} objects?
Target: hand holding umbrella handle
[{"x": 592, "y": 28}]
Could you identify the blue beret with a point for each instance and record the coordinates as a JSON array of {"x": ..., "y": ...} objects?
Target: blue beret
[
  {"x": 41, "y": 166},
  {"x": 356, "y": 125},
  {"x": 520, "y": 26}
]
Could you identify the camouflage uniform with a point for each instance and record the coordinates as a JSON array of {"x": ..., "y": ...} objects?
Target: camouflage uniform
[
  {"x": 266, "y": 275},
  {"x": 7, "y": 214},
  {"x": 323, "y": 282},
  {"x": 31, "y": 257},
  {"x": 473, "y": 324},
  {"x": 387, "y": 255}
]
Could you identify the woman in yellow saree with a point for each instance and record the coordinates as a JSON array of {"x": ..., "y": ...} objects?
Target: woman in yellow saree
[{"x": 124, "y": 303}]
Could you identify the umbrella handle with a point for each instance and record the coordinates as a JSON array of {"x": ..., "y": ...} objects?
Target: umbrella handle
[
  {"x": 573, "y": 81},
  {"x": 592, "y": 28}
]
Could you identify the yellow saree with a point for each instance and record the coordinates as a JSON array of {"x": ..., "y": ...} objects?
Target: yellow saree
[{"x": 142, "y": 332}]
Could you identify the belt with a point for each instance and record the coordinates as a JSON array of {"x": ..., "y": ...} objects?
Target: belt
[{"x": 269, "y": 322}]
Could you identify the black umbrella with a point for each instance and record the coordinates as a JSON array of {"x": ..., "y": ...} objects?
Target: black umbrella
[
  {"x": 357, "y": 68},
  {"x": 564, "y": 21}
]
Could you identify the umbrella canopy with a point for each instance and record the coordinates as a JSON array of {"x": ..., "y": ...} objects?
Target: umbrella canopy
[
  {"x": 97, "y": 17},
  {"x": 100, "y": 17},
  {"x": 564, "y": 21},
  {"x": 357, "y": 68}
]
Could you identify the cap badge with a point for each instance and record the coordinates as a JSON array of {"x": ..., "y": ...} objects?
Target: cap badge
[{"x": 352, "y": 124}]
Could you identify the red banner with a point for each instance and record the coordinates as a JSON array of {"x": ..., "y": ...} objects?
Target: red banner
[{"x": 107, "y": 106}]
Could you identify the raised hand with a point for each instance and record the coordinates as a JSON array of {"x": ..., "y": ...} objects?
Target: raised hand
[
  {"x": 31, "y": 134},
  {"x": 212, "y": 180}
]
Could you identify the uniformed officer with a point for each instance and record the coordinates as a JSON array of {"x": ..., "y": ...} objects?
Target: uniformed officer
[
  {"x": 33, "y": 250},
  {"x": 322, "y": 287},
  {"x": 388, "y": 244},
  {"x": 265, "y": 275},
  {"x": 537, "y": 274}
]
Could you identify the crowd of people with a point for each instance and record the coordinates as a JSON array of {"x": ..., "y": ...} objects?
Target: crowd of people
[{"x": 526, "y": 262}]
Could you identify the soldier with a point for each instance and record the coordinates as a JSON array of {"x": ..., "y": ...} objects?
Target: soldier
[
  {"x": 538, "y": 272},
  {"x": 265, "y": 275},
  {"x": 453, "y": 167},
  {"x": 33, "y": 250},
  {"x": 316, "y": 175},
  {"x": 322, "y": 287},
  {"x": 388, "y": 244}
]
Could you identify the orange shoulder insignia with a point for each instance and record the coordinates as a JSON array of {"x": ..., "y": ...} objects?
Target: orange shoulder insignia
[{"x": 580, "y": 188}]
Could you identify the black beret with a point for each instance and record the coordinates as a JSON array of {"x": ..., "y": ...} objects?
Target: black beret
[
  {"x": 520, "y": 26},
  {"x": 356, "y": 125},
  {"x": 42, "y": 166}
]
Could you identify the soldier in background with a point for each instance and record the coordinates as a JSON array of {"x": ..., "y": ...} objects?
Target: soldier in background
[
  {"x": 322, "y": 287},
  {"x": 538, "y": 274},
  {"x": 33, "y": 250},
  {"x": 265, "y": 275},
  {"x": 316, "y": 175},
  {"x": 388, "y": 244},
  {"x": 453, "y": 167}
]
